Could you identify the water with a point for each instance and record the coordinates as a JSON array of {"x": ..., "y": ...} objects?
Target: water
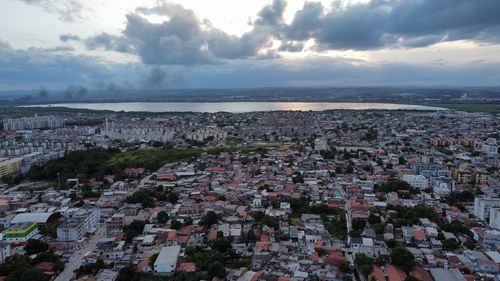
[{"x": 235, "y": 106}]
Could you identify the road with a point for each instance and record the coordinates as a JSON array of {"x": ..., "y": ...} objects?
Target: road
[{"x": 76, "y": 259}]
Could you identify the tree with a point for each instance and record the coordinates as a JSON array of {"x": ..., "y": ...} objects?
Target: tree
[
  {"x": 364, "y": 263},
  {"x": 411, "y": 278},
  {"x": 222, "y": 245},
  {"x": 152, "y": 259},
  {"x": 133, "y": 229},
  {"x": 251, "y": 236},
  {"x": 401, "y": 160},
  {"x": 33, "y": 274},
  {"x": 80, "y": 203},
  {"x": 92, "y": 268},
  {"x": 162, "y": 217},
  {"x": 258, "y": 216},
  {"x": 358, "y": 224},
  {"x": 321, "y": 252},
  {"x": 393, "y": 185},
  {"x": 175, "y": 224},
  {"x": 403, "y": 258},
  {"x": 129, "y": 273},
  {"x": 173, "y": 197},
  {"x": 345, "y": 267},
  {"x": 217, "y": 269},
  {"x": 374, "y": 219},
  {"x": 209, "y": 219},
  {"x": 188, "y": 221},
  {"x": 363, "y": 259},
  {"x": 338, "y": 169},
  {"x": 391, "y": 243},
  {"x": 450, "y": 244},
  {"x": 349, "y": 169},
  {"x": 34, "y": 246},
  {"x": 14, "y": 266}
]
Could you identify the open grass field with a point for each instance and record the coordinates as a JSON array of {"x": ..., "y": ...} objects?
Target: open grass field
[{"x": 470, "y": 107}]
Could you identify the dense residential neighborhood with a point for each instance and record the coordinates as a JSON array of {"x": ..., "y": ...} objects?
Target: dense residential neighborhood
[{"x": 287, "y": 195}]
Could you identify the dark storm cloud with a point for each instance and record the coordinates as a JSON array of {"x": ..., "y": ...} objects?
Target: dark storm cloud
[
  {"x": 379, "y": 23},
  {"x": 67, "y": 10},
  {"x": 325, "y": 71},
  {"x": 109, "y": 42},
  {"x": 43, "y": 93},
  {"x": 305, "y": 22},
  {"x": 75, "y": 92},
  {"x": 185, "y": 39},
  {"x": 108, "y": 86},
  {"x": 271, "y": 15},
  {"x": 36, "y": 66},
  {"x": 156, "y": 77}
]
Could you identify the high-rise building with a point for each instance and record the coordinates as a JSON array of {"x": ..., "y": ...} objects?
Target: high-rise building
[
  {"x": 483, "y": 205},
  {"x": 32, "y": 122}
]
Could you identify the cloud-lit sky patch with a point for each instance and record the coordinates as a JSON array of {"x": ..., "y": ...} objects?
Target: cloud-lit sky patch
[{"x": 237, "y": 43}]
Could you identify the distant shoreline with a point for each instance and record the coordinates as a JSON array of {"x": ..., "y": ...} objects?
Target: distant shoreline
[{"x": 236, "y": 107}]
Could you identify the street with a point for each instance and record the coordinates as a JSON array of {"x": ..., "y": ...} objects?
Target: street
[{"x": 76, "y": 259}]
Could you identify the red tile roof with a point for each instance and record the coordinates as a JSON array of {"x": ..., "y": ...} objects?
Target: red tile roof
[
  {"x": 395, "y": 274},
  {"x": 377, "y": 273}
]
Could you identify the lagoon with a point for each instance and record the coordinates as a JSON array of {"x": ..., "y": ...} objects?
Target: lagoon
[{"x": 237, "y": 107}]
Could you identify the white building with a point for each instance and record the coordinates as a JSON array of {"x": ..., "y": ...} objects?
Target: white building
[
  {"x": 90, "y": 217},
  {"x": 4, "y": 251},
  {"x": 416, "y": 181},
  {"x": 146, "y": 130},
  {"x": 482, "y": 206},
  {"x": 207, "y": 132},
  {"x": 495, "y": 218},
  {"x": 32, "y": 122},
  {"x": 492, "y": 237},
  {"x": 490, "y": 147},
  {"x": 166, "y": 261},
  {"x": 71, "y": 231},
  {"x": 106, "y": 275}
]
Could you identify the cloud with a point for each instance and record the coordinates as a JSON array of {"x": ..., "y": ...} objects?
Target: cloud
[
  {"x": 271, "y": 15},
  {"x": 109, "y": 42},
  {"x": 379, "y": 24},
  {"x": 43, "y": 93},
  {"x": 158, "y": 77},
  {"x": 324, "y": 71},
  {"x": 75, "y": 92},
  {"x": 290, "y": 46},
  {"x": 67, "y": 10},
  {"x": 69, "y": 37},
  {"x": 53, "y": 49},
  {"x": 35, "y": 67},
  {"x": 155, "y": 79},
  {"x": 185, "y": 39}
]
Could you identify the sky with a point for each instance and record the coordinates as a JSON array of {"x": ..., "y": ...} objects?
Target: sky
[{"x": 156, "y": 44}]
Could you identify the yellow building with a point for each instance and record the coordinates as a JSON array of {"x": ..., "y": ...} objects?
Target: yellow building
[
  {"x": 10, "y": 166},
  {"x": 480, "y": 177},
  {"x": 465, "y": 174}
]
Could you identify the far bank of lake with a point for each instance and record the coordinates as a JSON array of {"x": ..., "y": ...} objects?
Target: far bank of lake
[{"x": 236, "y": 107}]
